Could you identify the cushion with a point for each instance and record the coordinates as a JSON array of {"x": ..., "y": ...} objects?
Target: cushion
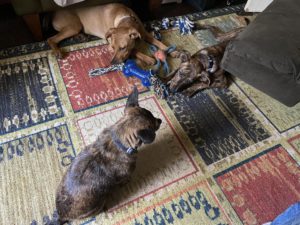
[{"x": 267, "y": 53}]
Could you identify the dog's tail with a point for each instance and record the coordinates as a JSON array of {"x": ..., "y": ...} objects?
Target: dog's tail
[
  {"x": 57, "y": 222},
  {"x": 227, "y": 36},
  {"x": 220, "y": 35}
]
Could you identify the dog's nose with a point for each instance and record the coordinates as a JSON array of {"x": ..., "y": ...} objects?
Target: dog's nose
[{"x": 114, "y": 61}]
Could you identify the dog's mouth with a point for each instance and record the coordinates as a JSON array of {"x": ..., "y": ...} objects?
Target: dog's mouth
[
  {"x": 147, "y": 136},
  {"x": 116, "y": 60},
  {"x": 139, "y": 143},
  {"x": 120, "y": 56}
]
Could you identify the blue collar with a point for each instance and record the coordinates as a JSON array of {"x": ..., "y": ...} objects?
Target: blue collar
[
  {"x": 120, "y": 145},
  {"x": 210, "y": 64}
]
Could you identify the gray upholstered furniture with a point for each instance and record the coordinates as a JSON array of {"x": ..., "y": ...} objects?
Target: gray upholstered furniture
[{"x": 266, "y": 54}]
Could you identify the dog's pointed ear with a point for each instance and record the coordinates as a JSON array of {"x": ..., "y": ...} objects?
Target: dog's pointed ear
[
  {"x": 109, "y": 33},
  {"x": 133, "y": 98},
  {"x": 134, "y": 34},
  {"x": 147, "y": 136}
]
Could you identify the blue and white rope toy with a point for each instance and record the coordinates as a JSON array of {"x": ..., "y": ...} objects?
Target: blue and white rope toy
[
  {"x": 130, "y": 68},
  {"x": 185, "y": 25}
]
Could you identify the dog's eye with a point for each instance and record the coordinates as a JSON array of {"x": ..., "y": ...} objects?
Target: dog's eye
[{"x": 122, "y": 48}]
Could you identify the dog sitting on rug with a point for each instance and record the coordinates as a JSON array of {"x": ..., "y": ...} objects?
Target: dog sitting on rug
[
  {"x": 111, "y": 21},
  {"x": 201, "y": 70},
  {"x": 104, "y": 164}
]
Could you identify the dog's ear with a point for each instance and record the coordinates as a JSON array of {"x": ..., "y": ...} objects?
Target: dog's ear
[
  {"x": 109, "y": 33},
  {"x": 204, "y": 77},
  {"x": 184, "y": 56},
  {"x": 147, "y": 136},
  {"x": 134, "y": 34},
  {"x": 133, "y": 98}
]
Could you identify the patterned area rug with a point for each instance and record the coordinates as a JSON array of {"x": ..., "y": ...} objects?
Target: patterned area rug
[{"x": 222, "y": 157}]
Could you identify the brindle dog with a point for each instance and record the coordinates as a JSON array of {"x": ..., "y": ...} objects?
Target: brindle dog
[
  {"x": 104, "y": 164},
  {"x": 201, "y": 70}
]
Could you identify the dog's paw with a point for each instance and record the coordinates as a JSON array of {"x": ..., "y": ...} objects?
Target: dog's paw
[
  {"x": 150, "y": 61},
  {"x": 175, "y": 54},
  {"x": 60, "y": 54}
]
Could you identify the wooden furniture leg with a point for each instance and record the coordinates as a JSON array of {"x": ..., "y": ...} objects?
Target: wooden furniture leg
[{"x": 34, "y": 25}]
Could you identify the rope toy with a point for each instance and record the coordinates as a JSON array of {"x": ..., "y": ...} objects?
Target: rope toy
[
  {"x": 156, "y": 32},
  {"x": 184, "y": 24},
  {"x": 130, "y": 68},
  {"x": 161, "y": 57}
]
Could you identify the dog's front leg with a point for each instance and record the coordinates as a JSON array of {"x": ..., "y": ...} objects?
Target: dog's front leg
[
  {"x": 63, "y": 34},
  {"x": 150, "y": 39},
  {"x": 194, "y": 88},
  {"x": 144, "y": 58},
  {"x": 199, "y": 82},
  {"x": 219, "y": 79},
  {"x": 169, "y": 77}
]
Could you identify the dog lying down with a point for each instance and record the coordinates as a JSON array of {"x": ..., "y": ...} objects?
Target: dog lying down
[
  {"x": 104, "y": 164},
  {"x": 114, "y": 21},
  {"x": 201, "y": 70}
]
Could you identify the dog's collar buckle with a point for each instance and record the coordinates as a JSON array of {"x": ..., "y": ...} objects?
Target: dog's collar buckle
[
  {"x": 210, "y": 64},
  {"x": 131, "y": 151}
]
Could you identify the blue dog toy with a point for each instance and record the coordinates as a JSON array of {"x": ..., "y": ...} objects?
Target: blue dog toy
[{"x": 129, "y": 68}]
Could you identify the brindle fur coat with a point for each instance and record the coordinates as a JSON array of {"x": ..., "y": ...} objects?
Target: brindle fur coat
[
  {"x": 202, "y": 70},
  {"x": 103, "y": 165}
]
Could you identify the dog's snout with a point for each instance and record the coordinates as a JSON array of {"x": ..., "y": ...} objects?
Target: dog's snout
[{"x": 114, "y": 61}]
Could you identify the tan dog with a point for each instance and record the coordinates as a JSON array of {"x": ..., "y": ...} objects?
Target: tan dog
[{"x": 111, "y": 21}]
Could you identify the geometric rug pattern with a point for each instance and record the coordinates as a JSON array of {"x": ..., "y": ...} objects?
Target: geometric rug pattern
[
  {"x": 281, "y": 117},
  {"x": 224, "y": 156},
  {"x": 28, "y": 95},
  {"x": 261, "y": 187},
  {"x": 84, "y": 91},
  {"x": 218, "y": 123}
]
